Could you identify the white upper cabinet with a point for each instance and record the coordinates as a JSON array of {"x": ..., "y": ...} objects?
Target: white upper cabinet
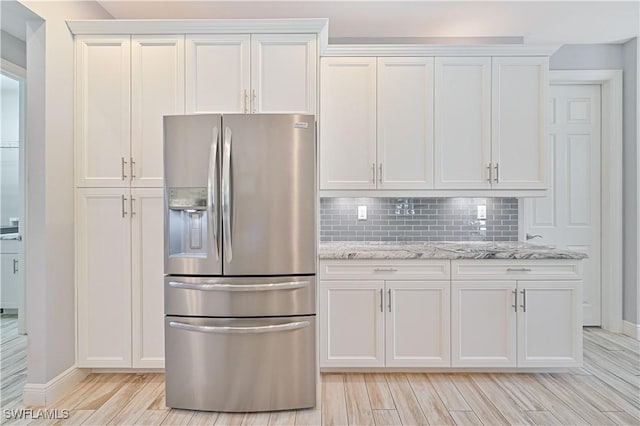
[
  {"x": 218, "y": 69},
  {"x": 519, "y": 97},
  {"x": 462, "y": 122},
  {"x": 348, "y": 129},
  {"x": 283, "y": 72},
  {"x": 157, "y": 82},
  {"x": 103, "y": 75},
  {"x": 405, "y": 123}
]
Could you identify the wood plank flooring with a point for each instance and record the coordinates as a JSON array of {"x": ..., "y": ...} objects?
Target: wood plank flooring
[
  {"x": 605, "y": 392},
  {"x": 13, "y": 361}
]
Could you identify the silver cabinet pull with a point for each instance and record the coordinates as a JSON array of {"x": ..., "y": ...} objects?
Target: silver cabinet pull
[
  {"x": 124, "y": 210},
  {"x": 380, "y": 176},
  {"x": 122, "y": 166},
  {"x": 373, "y": 172},
  {"x": 212, "y": 196},
  {"x": 132, "y": 168},
  {"x": 240, "y": 330},
  {"x": 497, "y": 173},
  {"x": 532, "y": 236},
  {"x": 389, "y": 300},
  {"x": 239, "y": 287},
  {"x": 515, "y": 301},
  {"x": 15, "y": 266},
  {"x": 489, "y": 173},
  {"x": 246, "y": 101},
  {"x": 518, "y": 270},
  {"x": 381, "y": 299},
  {"x": 254, "y": 100},
  {"x": 385, "y": 270},
  {"x": 524, "y": 300},
  {"x": 132, "y": 204},
  {"x": 226, "y": 195}
]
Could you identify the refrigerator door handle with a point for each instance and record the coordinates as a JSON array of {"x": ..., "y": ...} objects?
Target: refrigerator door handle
[
  {"x": 239, "y": 287},
  {"x": 212, "y": 196},
  {"x": 226, "y": 195},
  {"x": 240, "y": 330}
]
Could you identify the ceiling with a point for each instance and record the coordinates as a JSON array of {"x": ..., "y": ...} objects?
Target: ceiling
[{"x": 389, "y": 21}]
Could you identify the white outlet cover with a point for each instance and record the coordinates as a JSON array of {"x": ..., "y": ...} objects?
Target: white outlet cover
[
  {"x": 362, "y": 212},
  {"x": 482, "y": 212}
]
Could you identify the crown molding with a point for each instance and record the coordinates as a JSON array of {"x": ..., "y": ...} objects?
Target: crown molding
[{"x": 441, "y": 50}]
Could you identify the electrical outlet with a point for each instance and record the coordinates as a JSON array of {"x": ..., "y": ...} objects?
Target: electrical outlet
[
  {"x": 362, "y": 212},
  {"x": 482, "y": 212}
]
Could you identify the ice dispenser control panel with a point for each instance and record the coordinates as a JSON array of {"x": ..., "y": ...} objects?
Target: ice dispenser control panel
[{"x": 187, "y": 198}]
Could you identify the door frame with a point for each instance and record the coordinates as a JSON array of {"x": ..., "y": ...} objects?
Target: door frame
[
  {"x": 19, "y": 73},
  {"x": 610, "y": 82}
]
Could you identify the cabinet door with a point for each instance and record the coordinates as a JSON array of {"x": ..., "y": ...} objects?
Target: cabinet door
[
  {"x": 157, "y": 89},
  {"x": 351, "y": 324},
  {"x": 417, "y": 324},
  {"x": 483, "y": 324},
  {"x": 405, "y": 123},
  {"x": 462, "y": 123},
  {"x": 103, "y": 259},
  {"x": 147, "y": 264},
  {"x": 103, "y": 75},
  {"x": 519, "y": 98},
  {"x": 283, "y": 73},
  {"x": 549, "y": 323},
  {"x": 348, "y": 129},
  {"x": 10, "y": 286},
  {"x": 218, "y": 73}
]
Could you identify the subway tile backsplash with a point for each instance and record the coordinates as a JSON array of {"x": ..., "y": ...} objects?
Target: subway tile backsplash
[{"x": 418, "y": 219}]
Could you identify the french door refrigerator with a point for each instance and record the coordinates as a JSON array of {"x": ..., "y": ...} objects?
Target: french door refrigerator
[{"x": 240, "y": 256}]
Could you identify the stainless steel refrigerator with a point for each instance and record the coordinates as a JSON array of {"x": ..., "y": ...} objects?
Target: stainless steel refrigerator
[{"x": 240, "y": 256}]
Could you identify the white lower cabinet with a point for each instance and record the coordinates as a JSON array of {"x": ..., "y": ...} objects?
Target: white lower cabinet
[
  {"x": 10, "y": 286},
  {"x": 384, "y": 323},
  {"x": 516, "y": 323},
  {"x": 114, "y": 226}
]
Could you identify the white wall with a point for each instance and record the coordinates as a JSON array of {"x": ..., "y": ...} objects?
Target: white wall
[
  {"x": 50, "y": 214},
  {"x": 13, "y": 49},
  {"x": 587, "y": 57}
]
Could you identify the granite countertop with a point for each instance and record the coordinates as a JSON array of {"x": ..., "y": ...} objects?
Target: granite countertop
[{"x": 452, "y": 251}]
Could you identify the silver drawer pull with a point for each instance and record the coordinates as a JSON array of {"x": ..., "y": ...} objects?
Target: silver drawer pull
[
  {"x": 385, "y": 270},
  {"x": 239, "y": 287},
  {"x": 518, "y": 270},
  {"x": 240, "y": 330}
]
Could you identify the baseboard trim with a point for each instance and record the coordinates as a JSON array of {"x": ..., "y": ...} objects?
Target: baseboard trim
[
  {"x": 40, "y": 395},
  {"x": 630, "y": 329}
]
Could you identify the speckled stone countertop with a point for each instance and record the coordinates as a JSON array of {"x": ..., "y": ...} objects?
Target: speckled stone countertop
[{"x": 452, "y": 251}]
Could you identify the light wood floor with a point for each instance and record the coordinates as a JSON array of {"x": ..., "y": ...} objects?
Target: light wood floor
[
  {"x": 606, "y": 391},
  {"x": 13, "y": 361}
]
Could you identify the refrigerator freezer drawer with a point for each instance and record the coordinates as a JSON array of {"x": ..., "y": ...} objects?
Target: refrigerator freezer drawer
[
  {"x": 240, "y": 365},
  {"x": 239, "y": 297}
]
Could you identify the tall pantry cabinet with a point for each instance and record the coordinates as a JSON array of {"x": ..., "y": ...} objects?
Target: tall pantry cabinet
[{"x": 125, "y": 84}]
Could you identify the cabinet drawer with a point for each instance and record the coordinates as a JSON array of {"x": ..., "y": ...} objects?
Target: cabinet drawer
[
  {"x": 385, "y": 270},
  {"x": 514, "y": 269}
]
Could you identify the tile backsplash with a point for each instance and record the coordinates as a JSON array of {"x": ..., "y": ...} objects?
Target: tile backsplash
[{"x": 418, "y": 219}]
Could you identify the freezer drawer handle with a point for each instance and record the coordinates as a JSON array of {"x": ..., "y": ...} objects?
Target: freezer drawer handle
[
  {"x": 240, "y": 287},
  {"x": 518, "y": 269},
  {"x": 240, "y": 330}
]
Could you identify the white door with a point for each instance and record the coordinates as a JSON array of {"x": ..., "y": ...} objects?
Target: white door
[
  {"x": 218, "y": 73},
  {"x": 569, "y": 216},
  {"x": 103, "y": 76},
  {"x": 283, "y": 73},
  {"x": 518, "y": 122},
  {"x": 157, "y": 89},
  {"x": 103, "y": 265},
  {"x": 351, "y": 324},
  {"x": 405, "y": 123},
  {"x": 549, "y": 325},
  {"x": 483, "y": 324},
  {"x": 417, "y": 324},
  {"x": 462, "y": 123},
  {"x": 348, "y": 131},
  {"x": 147, "y": 272}
]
